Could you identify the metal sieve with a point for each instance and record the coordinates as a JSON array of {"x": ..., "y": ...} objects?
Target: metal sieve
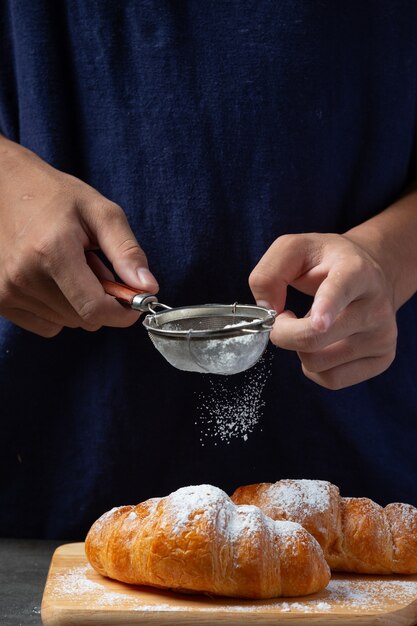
[{"x": 210, "y": 338}]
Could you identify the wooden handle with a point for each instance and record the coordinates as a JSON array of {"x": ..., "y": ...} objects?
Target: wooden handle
[{"x": 121, "y": 292}]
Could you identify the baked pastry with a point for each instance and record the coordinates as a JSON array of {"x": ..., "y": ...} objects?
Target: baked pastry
[
  {"x": 197, "y": 540},
  {"x": 356, "y": 534}
]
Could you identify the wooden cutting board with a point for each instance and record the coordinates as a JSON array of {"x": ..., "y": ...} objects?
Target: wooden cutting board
[{"x": 76, "y": 595}]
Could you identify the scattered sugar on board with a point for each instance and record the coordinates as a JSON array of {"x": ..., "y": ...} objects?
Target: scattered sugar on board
[
  {"x": 230, "y": 410},
  {"x": 75, "y": 582},
  {"x": 357, "y": 593}
]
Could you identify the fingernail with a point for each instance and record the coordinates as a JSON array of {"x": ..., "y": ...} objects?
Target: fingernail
[
  {"x": 264, "y": 304},
  {"x": 321, "y": 322},
  {"x": 147, "y": 280}
]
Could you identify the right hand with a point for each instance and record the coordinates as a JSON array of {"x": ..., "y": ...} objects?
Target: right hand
[
  {"x": 350, "y": 333},
  {"x": 49, "y": 224}
]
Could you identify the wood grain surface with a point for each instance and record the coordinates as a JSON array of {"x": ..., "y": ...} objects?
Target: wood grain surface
[{"x": 76, "y": 595}]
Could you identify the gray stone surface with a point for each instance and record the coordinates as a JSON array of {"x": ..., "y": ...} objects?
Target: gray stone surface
[{"x": 24, "y": 565}]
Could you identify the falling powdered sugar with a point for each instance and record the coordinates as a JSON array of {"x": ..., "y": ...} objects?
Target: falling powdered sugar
[{"x": 232, "y": 410}]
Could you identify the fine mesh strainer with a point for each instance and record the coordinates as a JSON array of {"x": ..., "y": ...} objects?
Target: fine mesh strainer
[{"x": 210, "y": 338}]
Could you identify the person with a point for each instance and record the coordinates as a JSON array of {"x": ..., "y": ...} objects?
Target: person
[{"x": 189, "y": 147}]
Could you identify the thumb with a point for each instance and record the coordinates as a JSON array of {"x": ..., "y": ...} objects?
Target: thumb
[{"x": 116, "y": 239}]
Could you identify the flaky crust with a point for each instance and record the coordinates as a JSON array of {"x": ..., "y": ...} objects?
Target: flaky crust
[
  {"x": 197, "y": 540},
  {"x": 356, "y": 534}
]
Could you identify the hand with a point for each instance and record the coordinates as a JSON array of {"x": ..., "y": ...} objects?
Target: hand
[
  {"x": 49, "y": 224},
  {"x": 350, "y": 333}
]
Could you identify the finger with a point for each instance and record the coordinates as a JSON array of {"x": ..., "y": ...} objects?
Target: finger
[
  {"x": 33, "y": 323},
  {"x": 98, "y": 267},
  {"x": 83, "y": 290},
  {"x": 288, "y": 258},
  {"x": 41, "y": 309},
  {"x": 353, "y": 348},
  {"x": 111, "y": 229},
  {"x": 286, "y": 315},
  {"x": 344, "y": 283},
  {"x": 36, "y": 292},
  {"x": 350, "y": 373},
  {"x": 292, "y": 333}
]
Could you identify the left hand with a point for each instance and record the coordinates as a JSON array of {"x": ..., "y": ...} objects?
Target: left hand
[{"x": 350, "y": 333}]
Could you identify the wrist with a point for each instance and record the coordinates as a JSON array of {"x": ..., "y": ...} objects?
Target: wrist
[
  {"x": 370, "y": 241},
  {"x": 390, "y": 238}
]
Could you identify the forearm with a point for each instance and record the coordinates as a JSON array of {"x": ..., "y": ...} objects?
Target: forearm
[{"x": 391, "y": 239}]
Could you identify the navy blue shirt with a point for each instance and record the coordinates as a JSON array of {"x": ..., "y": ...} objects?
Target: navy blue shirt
[{"x": 217, "y": 126}]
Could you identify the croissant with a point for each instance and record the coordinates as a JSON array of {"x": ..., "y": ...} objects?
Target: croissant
[
  {"x": 197, "y": 540},
  {"x": 356, "y": 534}
]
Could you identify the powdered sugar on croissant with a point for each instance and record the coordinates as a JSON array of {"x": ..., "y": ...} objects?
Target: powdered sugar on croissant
[
  {"x": 197, "y": 540},
  {"x": 356, "y": 534}
]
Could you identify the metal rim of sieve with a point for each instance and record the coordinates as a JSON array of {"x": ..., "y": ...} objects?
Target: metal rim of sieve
[
  {"x": 182, "y": 341},
  {"x": 254, "y": 319}
]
